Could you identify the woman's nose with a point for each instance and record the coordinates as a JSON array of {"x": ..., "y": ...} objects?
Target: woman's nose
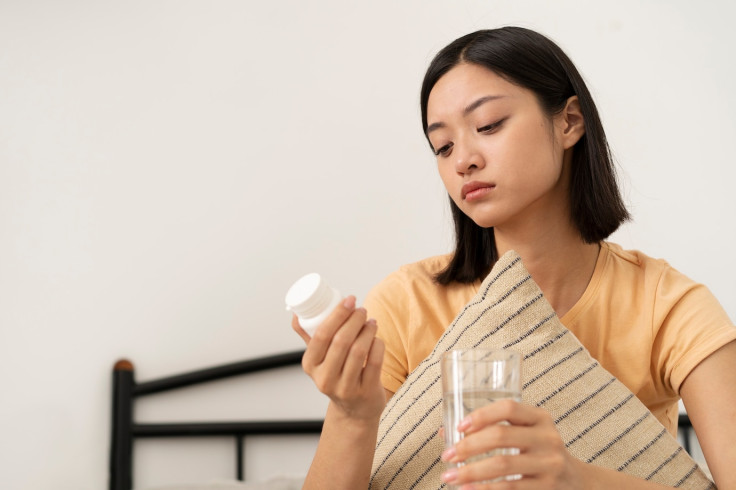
[{"x": 467, "y": 159}]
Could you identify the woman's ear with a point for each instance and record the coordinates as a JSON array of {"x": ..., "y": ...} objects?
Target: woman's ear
[{"x": 571, "y": 123}]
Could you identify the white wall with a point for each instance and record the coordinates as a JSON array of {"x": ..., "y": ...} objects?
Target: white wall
[{"x": 167, "y": 169}]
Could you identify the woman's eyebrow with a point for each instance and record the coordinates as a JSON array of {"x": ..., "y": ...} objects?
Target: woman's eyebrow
[
  {"x": 470, "y": 108},
  {"x": 474, "y": 105}
]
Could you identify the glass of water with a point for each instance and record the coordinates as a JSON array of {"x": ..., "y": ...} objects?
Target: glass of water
[{"x": 472, "y": 378}]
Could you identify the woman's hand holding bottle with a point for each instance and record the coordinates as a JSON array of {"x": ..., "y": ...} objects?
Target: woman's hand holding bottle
[{"x": 344, "y": 359}]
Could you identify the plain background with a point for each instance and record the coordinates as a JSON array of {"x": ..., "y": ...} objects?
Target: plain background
[{"x": 169, "y": 168}]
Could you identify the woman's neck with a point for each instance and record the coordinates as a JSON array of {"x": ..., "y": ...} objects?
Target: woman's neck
[{"x": 562, "y": 265}]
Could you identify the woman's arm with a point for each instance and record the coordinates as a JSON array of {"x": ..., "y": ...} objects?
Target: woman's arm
[
  {"x": 709, "y": 395},
  {"x": 344, "y": 454},
  {"x": 344, "y": 359}
]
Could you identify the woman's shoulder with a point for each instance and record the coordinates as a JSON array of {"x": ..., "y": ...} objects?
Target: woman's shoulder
[
  {"x": 634, "y": 257},
  {"x": 424, "y": 269},
  {"x": 414, "y": 285},
  {"x": 644, "y": 273},
  {"x": 636, "y": 262},
  {"x": 420, "y": 274}
]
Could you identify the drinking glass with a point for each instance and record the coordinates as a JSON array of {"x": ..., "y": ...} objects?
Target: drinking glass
[{"x": 472, "y": 378}]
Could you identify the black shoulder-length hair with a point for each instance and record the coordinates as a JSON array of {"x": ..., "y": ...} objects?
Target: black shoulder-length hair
[{"x": 530, "y": 60}]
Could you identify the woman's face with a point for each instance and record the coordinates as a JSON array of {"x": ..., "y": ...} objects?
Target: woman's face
[{"x": 499, "y": 156}]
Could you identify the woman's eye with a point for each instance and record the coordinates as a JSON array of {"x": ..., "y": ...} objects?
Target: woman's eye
[
  {"x": 443, "y": 151},
  {"x": 491, "y": 127}
]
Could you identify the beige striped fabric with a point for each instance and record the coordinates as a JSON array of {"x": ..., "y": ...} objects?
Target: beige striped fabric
[{"x": 599, "y": 419}]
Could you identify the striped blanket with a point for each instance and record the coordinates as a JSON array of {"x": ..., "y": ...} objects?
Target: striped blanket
[{"x": 598, "y": 418}]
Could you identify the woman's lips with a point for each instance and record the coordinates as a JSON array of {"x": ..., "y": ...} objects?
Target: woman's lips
[{"x": 475, "y": 190}]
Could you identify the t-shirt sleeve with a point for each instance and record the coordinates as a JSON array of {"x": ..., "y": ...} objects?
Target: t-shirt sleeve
[
  {"x": 693, "y": 325},
  {"x": 388, "y": 304}
]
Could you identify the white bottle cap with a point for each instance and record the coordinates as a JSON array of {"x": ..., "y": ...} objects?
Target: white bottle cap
[{"x": 311, "y": 299}]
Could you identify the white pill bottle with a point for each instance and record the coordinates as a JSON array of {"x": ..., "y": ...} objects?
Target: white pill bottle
[{"x": 312, "y": 300}]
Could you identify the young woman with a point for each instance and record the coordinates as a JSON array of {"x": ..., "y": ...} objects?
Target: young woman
[{"x": 524, "y": 158}]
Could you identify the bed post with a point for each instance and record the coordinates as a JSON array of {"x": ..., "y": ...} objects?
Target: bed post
[{"x": 121, "y": 463}]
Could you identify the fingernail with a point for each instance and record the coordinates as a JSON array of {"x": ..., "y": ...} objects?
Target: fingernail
[
  {"x": 349, "y": 302},
  {"x": 464, "y": 424},
  {"x": 448, "y": 454},
  {"x": 449, "y": 476}
]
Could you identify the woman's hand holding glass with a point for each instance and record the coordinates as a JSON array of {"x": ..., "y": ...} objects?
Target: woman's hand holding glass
[
  {"x": 344, "y": 359},
  {"x": 543, "y": 461}
]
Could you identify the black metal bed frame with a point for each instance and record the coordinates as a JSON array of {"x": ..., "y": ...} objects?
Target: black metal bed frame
[
  {"x": 685, "y": 429},
  {"x": 125, "y": 429}
]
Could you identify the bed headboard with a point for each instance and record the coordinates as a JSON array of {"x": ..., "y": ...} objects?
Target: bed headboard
[{"x": 125, "y": 390}]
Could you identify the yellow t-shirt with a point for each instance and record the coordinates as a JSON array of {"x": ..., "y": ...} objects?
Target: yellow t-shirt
[{"x": 646, "y": 323}]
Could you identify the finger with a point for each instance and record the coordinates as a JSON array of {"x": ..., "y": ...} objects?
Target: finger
[
  {"x": 507, "y": 410},
  {"x": 342, "y": 342},
  {"x": 491, "y": 468},
  {"x": 493, "y": 438},
  {"x": 358, "y": 352},
  {"x": 320, "y": 341},
  {"x": 524, "y": 470},
  {"x": 374, "y": 363},
  {"x": 298, "y": 329}
]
